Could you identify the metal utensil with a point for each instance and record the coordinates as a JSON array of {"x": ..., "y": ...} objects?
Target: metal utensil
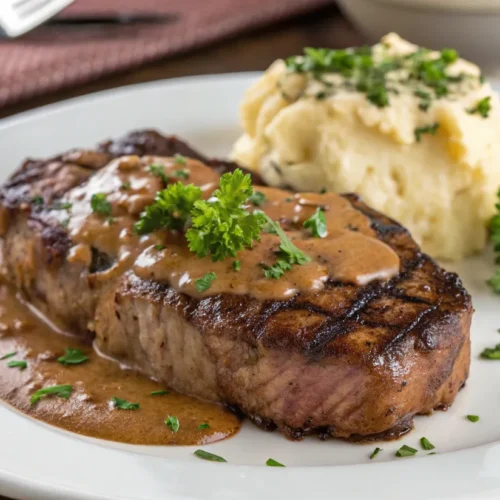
[{"x": 20, "y": 16}]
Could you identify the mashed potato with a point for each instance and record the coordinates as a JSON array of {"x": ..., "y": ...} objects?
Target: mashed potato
[{"x": 428, "y": 157}]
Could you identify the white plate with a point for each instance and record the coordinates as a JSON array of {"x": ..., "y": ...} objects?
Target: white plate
[{"x": 39, "y": 461}]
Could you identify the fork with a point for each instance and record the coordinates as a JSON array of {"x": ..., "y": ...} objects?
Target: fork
[{"x": 19, "y": 16}]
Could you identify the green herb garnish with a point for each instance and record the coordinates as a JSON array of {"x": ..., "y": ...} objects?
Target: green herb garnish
[
  {"x": 22, "y": 365},
  {"x": 203, "y": 426},
  {"x": 64, "y": 205},
  {"x": 65, "y": 222},
  {"x": 236, "y": 265},
  {"x": 491, "y": 352},
  {"x": 8, "y": 355},
  {"x": 122, "y": 404},
  {"x": 125, "y": 186},
  {"x": 159, "y": 171},
  {"x": 63, "y": 391},
  {"x": 257, "y": 198},
  {"x": 170, "y": 210},
  {"x": 473, "y": 418},
  {"x": 183, "y": 174},
  {"x": 159, "y": 393},
  {"x": 159, "y": 247},
  {"x": 100, "y": 205},
  {"x": 73, "y": 357},
  {"x": 376, "y": 451},
  {"x": 205, "y": 455},
  {"x": 179, "y": 159},
  {"x": 222, "y": 226},
  {"x": 483, "y": 107},
  {"x": 494, "y": 281},
  {"x": 273, "y": 463},
  {"x": 37, "y": 200},
  {"x": 204, "y": 283},
  {"x": 317, "y": 224},
  {"x": 428, "y": 129},
  {"x": 426, "y": 444},
  {"x": 172, "y": 423},
  {"x": 406, "y": 451}
]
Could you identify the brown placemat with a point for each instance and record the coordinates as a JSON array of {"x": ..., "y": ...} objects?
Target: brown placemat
[{"x": 58, "y": 56}]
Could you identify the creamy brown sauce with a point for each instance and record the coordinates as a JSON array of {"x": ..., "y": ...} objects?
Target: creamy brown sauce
[
  {"x": 350, "y": 251},
  {"x": 89, "y": 410}
]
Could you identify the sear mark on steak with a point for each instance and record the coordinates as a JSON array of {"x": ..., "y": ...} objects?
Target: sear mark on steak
[{"x": 347, "y": 361}]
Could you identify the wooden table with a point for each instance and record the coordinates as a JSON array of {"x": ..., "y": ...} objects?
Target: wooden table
[{"x": 254, "y": 51}]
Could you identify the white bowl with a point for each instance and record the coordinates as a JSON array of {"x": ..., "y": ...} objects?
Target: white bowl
[{"x": 470, "y": 26}]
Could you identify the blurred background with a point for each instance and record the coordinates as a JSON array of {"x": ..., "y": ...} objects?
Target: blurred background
[{"x": 99, "y": 44}]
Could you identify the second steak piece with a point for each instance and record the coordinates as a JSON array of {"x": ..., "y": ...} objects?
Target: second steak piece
[{"x": 346, "y": 361}]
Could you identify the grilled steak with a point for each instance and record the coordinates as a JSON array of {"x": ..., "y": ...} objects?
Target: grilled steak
[{"x": 347, "y": 360}]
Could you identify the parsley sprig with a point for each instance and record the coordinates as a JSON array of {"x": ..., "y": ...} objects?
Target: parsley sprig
[
  {"x": 222, "y": 226},
  {"x": 483, "y": 107},
  {"x": 494, "y": 281}
]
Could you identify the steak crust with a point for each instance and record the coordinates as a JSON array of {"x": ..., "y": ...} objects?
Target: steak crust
[{"x": 348, "y": 361}]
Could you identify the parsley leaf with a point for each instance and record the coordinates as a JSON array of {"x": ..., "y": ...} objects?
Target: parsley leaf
[
  {"x": 317, "y": 224},
  {"x": 273, "y": 463},
  {"x": 473, "y": 418},
  {"x": 100, "y": 205},
  {"x": 159, "y": 248},
  {"x": 406, "y": 451},
  {"x": 22, "y": 365},
  {"x": 204, "y": 283},
  {"x": 483, "y": 107},
  {"x": 183, "y": 174},
  {"x": 63, "y": 391},
  {"x": 179, "y": 159},
  {"x": 172, "y": 423},
  {"x": 257, "y": 198},
  {"x": 236, "y": 265},
  {"x": 376, "y": 451},
  {"x": 73, "y": 357},
  {"x": 170, "y": 210},
  {"x": 8, "y": 355},
  {"x": 122, "y": 404},
  {"x": 159, "y": 171},
  {"x": 221, "y": 226},
  {"x": 37, "y": 200},
  {"x": 205, "y": 455},
  {"x": 159, "y": 393},
  {"x": 125, "y": 186},
  {"x": 491, "y": 352},
  {"x": 203, "y": 426},
  {"x": 426, "y": 444},
  {"x": 428, "y": 129},
  {"x": 63, "y": 205}
]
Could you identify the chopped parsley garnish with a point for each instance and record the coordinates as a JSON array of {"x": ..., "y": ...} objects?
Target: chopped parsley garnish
[
  {"x": 426, "y": 444},
  {"x": 172, "y": 423},
  {"x": 257, "y": 198},
  {"x": 236, "y": 265},
  {"x": 323, "y": 191},
  {"x": 428, "y": 129},
  {"x": 22, "y": 365},
  {"x": 159, "y": 393},
  {"x": 473, "y": 418},
  {"x": 205, "y": 282},
  {"x": 63, "y": 391},
  {"x": 494, "y": 281},
  {"x": 170, "y": 210},
  {"x": 205, "y": 455},
  {"x": 122, "y": 404},
  {"x": 425, "y": 99},
  {"x": 317, "y": 224},
  {"x": 406, "y": 451},
  {"x": 8, "y": 355},
  {"x": 125, "y": 186},
  {"x": 100, "y": 205},
  {"x": 65, "y": 222},
  {"x": 222, "y": 226},
  {"x": 203, "y": 426},
  {"x": 159, "y": 171},
  {"x": 183, "y": 174},
  {"x": 179, "y": 159},
  {"x": 64, "y": 205},
  {"x": 483, "y": 107},
  {"x": 73, "y": 357},
  {"x": 287, "y": 255},
  {"x": 273, "y": 463},
  {"x": 376, "y": 451},
  {"x": 491, "y": 352},
  {"x": 37, "y": 200},
  {"x": 159, "y": 247}
]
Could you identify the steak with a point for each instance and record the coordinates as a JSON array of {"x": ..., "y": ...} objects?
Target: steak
[{"x": 346, "y": 361}]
